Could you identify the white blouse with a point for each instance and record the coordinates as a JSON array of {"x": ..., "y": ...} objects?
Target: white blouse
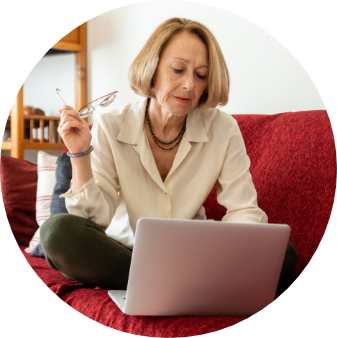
[{"x": 127, "y": 185}]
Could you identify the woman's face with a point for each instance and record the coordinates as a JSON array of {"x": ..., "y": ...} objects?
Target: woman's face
[{"x": 181, "y": 75}]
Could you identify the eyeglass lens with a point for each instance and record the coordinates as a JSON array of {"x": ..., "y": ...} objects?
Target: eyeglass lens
[{"x": 90, "y": 108}]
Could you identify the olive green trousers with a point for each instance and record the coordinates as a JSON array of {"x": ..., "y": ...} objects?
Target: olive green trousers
[{"x": 81, "y": 251}]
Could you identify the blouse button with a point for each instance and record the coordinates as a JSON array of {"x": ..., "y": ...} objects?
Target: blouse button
[{"x": 164, "y": 192}]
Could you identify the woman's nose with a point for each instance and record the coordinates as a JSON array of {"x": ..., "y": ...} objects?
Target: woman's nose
[{"x": 188, "y": 82}]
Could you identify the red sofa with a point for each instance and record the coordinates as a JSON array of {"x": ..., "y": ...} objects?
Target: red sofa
[{"x": 293, "y": 165}]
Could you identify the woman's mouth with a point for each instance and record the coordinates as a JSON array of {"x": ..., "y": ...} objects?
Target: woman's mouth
[{"x": 182, "y": 99}]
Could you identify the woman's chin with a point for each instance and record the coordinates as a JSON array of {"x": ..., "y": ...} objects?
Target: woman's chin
[{"x": 180, "y": 109}]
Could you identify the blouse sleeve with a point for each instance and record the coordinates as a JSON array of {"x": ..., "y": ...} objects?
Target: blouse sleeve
[
  {"x": 98, "y": 198},
  {"x": 235, "y": 188}
]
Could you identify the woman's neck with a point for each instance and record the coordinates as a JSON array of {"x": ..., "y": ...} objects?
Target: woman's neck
[{"x": 164, "y": 125}]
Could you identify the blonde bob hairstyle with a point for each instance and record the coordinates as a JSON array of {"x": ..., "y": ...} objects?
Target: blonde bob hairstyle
[{"x": 144, "y": 66}]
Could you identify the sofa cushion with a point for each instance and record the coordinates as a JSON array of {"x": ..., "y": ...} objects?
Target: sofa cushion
[
  {"x": 63, "y": 177},
  {"x": 46, "y": 182},
  {"x": 46, "y": 166},
  {"x": 18, "y": 185}
]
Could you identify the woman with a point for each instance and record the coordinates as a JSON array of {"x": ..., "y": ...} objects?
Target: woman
[{"x": 159, "y": 157}]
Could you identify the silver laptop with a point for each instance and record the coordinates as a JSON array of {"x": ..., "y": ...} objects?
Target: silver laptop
[{"x": 202, "y": 268}]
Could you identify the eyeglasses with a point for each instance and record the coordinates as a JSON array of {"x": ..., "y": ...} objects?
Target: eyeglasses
[{"x": 89, "y": 108}]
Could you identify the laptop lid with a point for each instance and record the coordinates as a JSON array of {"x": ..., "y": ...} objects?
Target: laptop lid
[{"x": 204, "y": 268}]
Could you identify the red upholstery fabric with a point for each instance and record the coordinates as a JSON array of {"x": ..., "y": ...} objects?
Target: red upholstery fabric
[
  {"x": 18, "y": 185},
  {"x": 293, "y": 165}
]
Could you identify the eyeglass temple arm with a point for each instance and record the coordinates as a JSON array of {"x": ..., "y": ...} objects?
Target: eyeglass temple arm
[
  {"x": 97, "y": 99},
  {"x": 57, "y": 92}
]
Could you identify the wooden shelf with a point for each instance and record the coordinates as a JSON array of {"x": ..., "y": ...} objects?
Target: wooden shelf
[
  {"x": 33, "y": 124},
  {"x": 22, "y": 126},
  {"x": 37, "y": 145},
  {"x": 41, "y": 117},
  {"x": 6, "y": 145}
]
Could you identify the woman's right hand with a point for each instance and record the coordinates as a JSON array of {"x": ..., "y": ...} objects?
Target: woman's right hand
[{"x": 74, "y": 130}]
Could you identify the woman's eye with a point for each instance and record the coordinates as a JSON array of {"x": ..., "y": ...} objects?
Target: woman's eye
[{"x": 180, "y": 71}]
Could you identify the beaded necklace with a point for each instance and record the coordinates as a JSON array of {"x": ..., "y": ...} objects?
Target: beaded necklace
[{"x": 156, "y": 139}]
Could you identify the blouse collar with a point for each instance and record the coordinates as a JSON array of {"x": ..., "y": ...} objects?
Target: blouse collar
[{"x": 132, "y": 130}]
